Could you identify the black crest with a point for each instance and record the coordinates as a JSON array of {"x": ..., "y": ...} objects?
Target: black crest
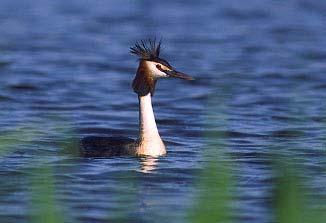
[{"x": 147, "y": 50}]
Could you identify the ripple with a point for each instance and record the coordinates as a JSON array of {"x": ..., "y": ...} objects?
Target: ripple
[
  {"x": 106, "y": 131},
  {"x": 24, "y": 87},
  {"x": 174, "y": 122},
  {"x": 320, "y": 86},
  {"x": 4, "y": 64},
  {"x": 5, "y": 98},
  {"x": 285, "y": 118},
  {"x": 287, "y": 133},
  {"x": 245, "y": 14},
  {"x": 314, "y": 55}
]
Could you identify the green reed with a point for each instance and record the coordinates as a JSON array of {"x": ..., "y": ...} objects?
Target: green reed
[
  {"x": 215, "y": 184},
  {"x": 292, "y": 202},
  {"x": 45, "y": 208},
  {"x": 10, "y": 141}
]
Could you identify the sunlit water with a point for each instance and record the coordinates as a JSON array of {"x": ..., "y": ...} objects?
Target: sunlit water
[{"x": 65, "y": 72}]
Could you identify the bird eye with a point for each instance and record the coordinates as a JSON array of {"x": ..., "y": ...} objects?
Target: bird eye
[{"x": 158, "y": 66}]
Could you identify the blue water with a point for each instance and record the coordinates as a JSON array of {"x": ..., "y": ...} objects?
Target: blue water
[{"x": 66, "y": 73}]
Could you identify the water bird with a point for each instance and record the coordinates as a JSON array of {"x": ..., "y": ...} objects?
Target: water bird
[{"x": 151, "y": 68}]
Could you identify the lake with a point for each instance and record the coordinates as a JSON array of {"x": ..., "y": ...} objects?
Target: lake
[{"x": 66, "y": 73}]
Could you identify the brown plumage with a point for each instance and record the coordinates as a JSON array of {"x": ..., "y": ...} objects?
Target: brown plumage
[{"x": 143, "y": 82}]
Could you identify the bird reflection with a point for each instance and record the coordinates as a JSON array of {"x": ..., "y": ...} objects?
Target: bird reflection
[{"x": 148, "y": 164}]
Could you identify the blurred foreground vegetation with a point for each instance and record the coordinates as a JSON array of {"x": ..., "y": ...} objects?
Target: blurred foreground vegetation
[{"x": 216, "y": 189}]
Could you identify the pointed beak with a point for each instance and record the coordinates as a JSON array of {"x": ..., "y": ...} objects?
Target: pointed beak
[{"x": 177, "y": 74}]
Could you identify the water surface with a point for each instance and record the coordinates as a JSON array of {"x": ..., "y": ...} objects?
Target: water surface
[{"x": 66, "y": 73}]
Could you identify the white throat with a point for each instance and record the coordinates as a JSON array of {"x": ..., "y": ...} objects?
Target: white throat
[{"x": 150, "y": 142}]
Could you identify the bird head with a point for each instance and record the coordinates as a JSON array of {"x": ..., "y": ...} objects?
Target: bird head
[{"x": 152, "y": 67}]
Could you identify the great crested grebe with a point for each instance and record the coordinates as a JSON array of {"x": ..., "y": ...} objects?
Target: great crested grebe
[{"x": 149, "y": 143}]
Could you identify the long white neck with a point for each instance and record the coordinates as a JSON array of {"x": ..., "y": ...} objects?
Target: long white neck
[
  {"x": 150, "y": 142},
  {"x": 147, "y": 124}
]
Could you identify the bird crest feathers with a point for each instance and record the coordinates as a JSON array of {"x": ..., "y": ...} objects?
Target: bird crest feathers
[{"x": 147, "y": 49}]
